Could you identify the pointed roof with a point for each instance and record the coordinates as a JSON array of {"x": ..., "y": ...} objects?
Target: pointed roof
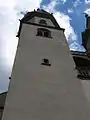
[
  {"x": 42, "y": 11},
  {"x": 39, "y": 13},
  {"x": 33, "y": 13}
]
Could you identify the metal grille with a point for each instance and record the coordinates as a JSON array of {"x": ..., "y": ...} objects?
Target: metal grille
[{"x": 83, "y": 73}]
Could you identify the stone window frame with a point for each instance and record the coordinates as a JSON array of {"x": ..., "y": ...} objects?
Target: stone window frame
[{"x": 44, "y": 32}]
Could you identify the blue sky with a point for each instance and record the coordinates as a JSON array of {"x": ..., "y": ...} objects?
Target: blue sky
[
  {"x": 74, "y": 10},
  {"x": 68, "y": 13}
]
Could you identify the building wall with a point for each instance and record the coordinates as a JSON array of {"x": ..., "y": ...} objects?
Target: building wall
[
  {"x": 38, "y": 92},
  {"x": 2, "y": 102},
  {"x": 1, "y": 112}
]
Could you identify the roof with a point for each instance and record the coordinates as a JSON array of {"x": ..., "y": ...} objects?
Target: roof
[
  {"x": 39, "y": 13},
  {"x": 78, "y": 53}
]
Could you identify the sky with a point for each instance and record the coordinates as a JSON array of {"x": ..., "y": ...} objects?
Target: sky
[{"x": 68, "y": 13}]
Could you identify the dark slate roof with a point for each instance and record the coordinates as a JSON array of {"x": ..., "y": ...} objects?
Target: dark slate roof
[
  {"x": 29, "y": 15},
  {"x": 78, "y": 53},
  {"x": 40, "y": 13}
]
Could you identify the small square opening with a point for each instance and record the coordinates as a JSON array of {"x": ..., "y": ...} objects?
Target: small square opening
[{"x": 46, "y": 62}]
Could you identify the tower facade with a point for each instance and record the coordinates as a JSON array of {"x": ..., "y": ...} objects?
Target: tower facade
[{"x": 43, "y": 83}]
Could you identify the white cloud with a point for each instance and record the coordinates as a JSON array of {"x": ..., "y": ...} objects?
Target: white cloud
[
  {"x": 9, "y": 24},
  {"x": 87, "y": 1},
  {"x": 4, "y": 81},
  {"x": 9, "y": 15},
  {"x": 70, "y": 10},
  {"x": 50, "y": 7},
  {"x": 76, "y": 3},
  {"x": 63, "y": 20},
  {"x": 59, "y": 1},
  {"x": 87, "y": 11},
  {"x": 63, "y": 1},
  {"x": 76, "y": 47}
]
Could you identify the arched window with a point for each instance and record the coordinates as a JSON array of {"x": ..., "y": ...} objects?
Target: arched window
[
  {"x": 43, "y": 22},
  {"x": 43, "y": 32}
]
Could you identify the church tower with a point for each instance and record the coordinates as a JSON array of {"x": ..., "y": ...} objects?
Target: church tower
[{"x": 43, "y": 84}]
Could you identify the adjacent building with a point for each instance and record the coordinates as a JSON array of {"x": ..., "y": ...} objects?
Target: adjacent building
[
  {"x": 2, "y": 103},
  {"x": 82, "y": 59}
]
